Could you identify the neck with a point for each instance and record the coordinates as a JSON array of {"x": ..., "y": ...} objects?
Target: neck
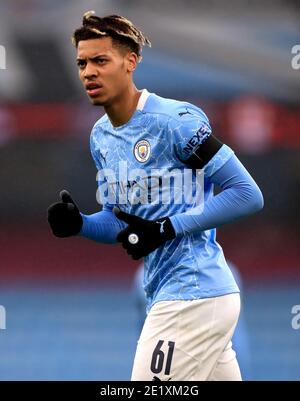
[{"x": 122, "y": 109}]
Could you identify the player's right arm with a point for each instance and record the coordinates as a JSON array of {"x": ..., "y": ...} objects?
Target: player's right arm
[
  {"x": 101, "y": 227},
  {"x": 66, "y": 220}
]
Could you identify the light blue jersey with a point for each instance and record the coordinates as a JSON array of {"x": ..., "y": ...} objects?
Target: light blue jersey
[{"x": 162, "y": 134}]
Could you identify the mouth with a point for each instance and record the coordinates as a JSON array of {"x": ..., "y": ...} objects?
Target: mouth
[{"x": 93, "y": 89}]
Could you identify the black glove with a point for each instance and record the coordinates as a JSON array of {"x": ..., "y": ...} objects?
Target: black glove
[
  {"x": 141, "y": 236},
  {"x": 64, "y": 217}
]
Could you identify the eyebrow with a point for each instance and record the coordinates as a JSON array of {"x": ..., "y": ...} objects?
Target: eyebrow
[{"x": 91, "y": 58}]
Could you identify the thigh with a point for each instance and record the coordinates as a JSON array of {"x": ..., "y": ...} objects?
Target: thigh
[
  {"x": 227, "y": 367},
  {"x": 183, "y": 340},
  {"x": 158, "y": 356}
]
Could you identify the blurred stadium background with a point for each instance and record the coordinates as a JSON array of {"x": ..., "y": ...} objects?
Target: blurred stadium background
[{"x": 70, "y": 308}]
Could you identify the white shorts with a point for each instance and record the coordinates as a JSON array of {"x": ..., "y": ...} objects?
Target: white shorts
[{"x": 189, "y": 340}]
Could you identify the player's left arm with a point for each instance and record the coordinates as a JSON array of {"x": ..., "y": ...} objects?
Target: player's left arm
[{"x": 240, "y": 194}]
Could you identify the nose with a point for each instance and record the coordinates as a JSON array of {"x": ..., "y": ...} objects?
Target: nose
[{"x": 90, "y": 71}]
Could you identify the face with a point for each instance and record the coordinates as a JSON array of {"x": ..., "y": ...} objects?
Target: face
[{"x": 104, "y": 69}]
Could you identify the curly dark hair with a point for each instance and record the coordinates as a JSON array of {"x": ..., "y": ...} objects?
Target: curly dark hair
[{"x": 122, "y": 31}]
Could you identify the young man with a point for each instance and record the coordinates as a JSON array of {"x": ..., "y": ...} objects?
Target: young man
[{"x": 193, "y": 300}]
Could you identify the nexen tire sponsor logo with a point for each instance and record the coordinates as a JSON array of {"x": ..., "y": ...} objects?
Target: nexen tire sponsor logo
[{"x": 200, "y": 136}]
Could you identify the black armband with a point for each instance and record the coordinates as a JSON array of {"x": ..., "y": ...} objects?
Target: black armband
[{"x": 204, "y": 152}]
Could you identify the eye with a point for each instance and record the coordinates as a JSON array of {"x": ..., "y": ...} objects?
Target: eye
[
  {"x": 101, "y": 61},
  {"x": 81, "y": 63}
]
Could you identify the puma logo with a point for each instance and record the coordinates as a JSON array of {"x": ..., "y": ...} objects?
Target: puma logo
[
  {"x": 157, "y": 379},
  {"x": 183, "y": 113},
  {"x": 161, "y": 230}
]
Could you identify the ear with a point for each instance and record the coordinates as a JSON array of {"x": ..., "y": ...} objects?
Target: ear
[{"x": 132, "y": 61}]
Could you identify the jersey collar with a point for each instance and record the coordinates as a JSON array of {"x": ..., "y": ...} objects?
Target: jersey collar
[{"x": 142, "y": 100}]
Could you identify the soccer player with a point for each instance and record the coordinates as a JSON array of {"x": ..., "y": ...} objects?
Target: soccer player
[{"x": 144, "y": 147}]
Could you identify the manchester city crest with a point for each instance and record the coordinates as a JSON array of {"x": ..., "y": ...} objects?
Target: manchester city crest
[{"x": 142, "y": 151}]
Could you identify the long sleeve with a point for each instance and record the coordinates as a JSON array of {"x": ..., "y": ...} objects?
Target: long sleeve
[
  {"x": 101, "y": 227},
  {"x": 240, "y": 197}
]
